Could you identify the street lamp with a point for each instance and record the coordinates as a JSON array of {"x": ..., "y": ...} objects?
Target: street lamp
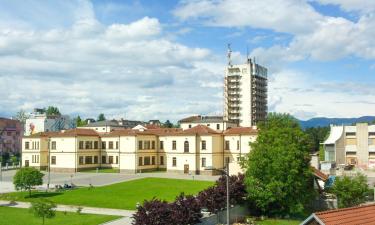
[{"x": 225, "y": 172}]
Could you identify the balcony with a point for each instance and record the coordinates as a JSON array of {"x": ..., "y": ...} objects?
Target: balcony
[{"x": 351, "y": 148}]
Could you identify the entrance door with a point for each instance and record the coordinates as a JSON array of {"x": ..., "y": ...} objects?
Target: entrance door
[
  {"x": 26, "y": 163},
  {"x": 186, "y": 168}
]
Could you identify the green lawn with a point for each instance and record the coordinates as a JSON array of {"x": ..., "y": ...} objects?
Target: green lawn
[
  {"x": 17, "y": 216},
  {"x": 123, "y": 195},
  {"x": 278, "y": 222},
  {"x": 102, "y": 170}
]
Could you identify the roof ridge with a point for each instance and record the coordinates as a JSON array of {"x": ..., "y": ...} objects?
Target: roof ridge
[{"x": 343, "y": 209}]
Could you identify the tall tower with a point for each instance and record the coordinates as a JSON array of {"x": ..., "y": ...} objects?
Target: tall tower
[{"x": 245, "y": 93}]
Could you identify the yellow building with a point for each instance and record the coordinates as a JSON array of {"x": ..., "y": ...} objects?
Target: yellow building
[{"x": 174, "y": 150}]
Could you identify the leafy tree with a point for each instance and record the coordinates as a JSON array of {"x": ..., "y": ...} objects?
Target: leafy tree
[
  {"x": 80, "y": 122},
  {"x": 278, "y": 178},
  {"x": 43, "y": 209},
  {"x": 153, "y": 212},
  {"x": 14, "y": 159},
  {"x": 21, "y": 116},
  {"x": 185, "y": 210},
  {"x": 168, "y": 124},
  {"x": 26, "y": 178},
  {"x": 52, "y": 111},
  {"x": 317, "y": 135},
  {"x": 5, "y": 156},
  {"x": 350, "y": 191},
  {"x": 101, "y": 117}
]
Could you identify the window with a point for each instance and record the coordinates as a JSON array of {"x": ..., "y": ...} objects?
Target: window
[
  {"x": 161, "y": 145},
  {"x": 116, "y": 144},
  {"x": 96, "y": 144},
  {"x": 88, "y": 144},
  {"x": 186, "y": 146},
  {"x": 238, "y": 159},
  {"x": 174, "y": 145},
  {"x": 116, "y": 159},
  {"x": 104, "y": 145},
  {"x": 203, "y": 145},
  {"x": 110, "y": 159},
  {"x": 88, "y": 160},
  {"x": 208, "y": 124},
  {"x": 350, "y": 133},
  {"x": 203, "y": 162},
  {"x": 9, "y": 133},
  {"x": 371, "y": 141},
  {"x": 140, "y": 161},
  {"x": 227, "y": 144},
  {"x": 147, "y": 160},
  {"x": 53, "y": 160},
  {"x": 96, "y": 159},
  {"x": 153, "y": 160},
  {"x": 104, "y": 159},
  {"x": 81, "y": 160},
  {"x": 140, "y": 145},
  {"x": 371, "y": 133},
  {"x": 217, "y": 126},
  {"x": 227, "y": 160},
  {"x": 189, "y": 125},
  {"x": 147, "y": 144},
  {"x": 174, "y": 162},
  {"x": 153, "y": 145},
  {"x": 161, "y": 160},
  {"x": 27, "y": 145},
  {"x": 81, "y": 144},
  {"x": 238, "y": 145},
  {"x": 110, "y": 145},
  {"x": 37, "y": 145},
  {"x": 53, "y": 145}
]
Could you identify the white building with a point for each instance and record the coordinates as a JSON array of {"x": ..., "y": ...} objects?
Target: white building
[
  {"x": 40, "y": 122},
  {"x": 245, "y": 93},
  {"x": 214, "y": 122}
]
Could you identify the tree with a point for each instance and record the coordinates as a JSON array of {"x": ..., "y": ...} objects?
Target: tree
[
  {"x": 278, "y": 177},
  {"x": 101, "y": 117},
  {"x": 185, "y": 210},
  {"x": 317, "y": 135},
  {"x": 350, "y": 191},
  {"x": 52, "y": 111},
  {"x": 43, "y": 209},
  {"x": 21, "y": 116},
  {"x": 14, "y": 160},
  {"x": 168, "y": 124},
  {"x": 80, "y": 122},
  {"x": 26, "y": 178}
]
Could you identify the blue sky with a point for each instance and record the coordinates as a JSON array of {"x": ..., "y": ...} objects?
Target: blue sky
[{"x": 165, "y": 59}]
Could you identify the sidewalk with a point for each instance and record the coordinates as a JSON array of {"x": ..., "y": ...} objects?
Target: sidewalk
[{"x": 126, "y": 214}]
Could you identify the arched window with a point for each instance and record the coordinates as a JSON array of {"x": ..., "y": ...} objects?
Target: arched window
[{"x": 186, "y": 146}]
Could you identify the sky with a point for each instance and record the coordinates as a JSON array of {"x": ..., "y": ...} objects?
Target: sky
[{"x": 152, "y": 59}]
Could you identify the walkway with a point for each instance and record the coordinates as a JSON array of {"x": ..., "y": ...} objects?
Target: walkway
[{"x": 126, "y": 214}]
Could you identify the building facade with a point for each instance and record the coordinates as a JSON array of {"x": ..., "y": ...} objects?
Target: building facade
[
  {"x": 354, "y": 145},
  {"x": 39, "y": 121},
  {"x": 174, "y": 150},
  {"x": 10, "y": 136},
  {"x": 214, "y": 122},
  {"x": 245, "y": 93}
]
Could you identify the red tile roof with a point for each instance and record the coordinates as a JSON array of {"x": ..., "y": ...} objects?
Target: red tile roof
[
  {"x": 65, "y": 133},
  {"x": 190, "y": 119},
  {"x": 240, "y": 130},
  {"x": 359, "y": 215},
  {"x": 201, "y": 130},
  {"x": 319, "y": 174}
]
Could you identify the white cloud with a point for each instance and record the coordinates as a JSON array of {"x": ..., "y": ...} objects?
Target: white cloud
[
  {"x": 351, "y": 5},
  {"x": 121, "y": 70}
]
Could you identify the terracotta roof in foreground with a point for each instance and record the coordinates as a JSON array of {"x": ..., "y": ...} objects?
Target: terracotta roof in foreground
[
  {"x": 359, "y": 215},
  {"x": 240, "y": 130}
]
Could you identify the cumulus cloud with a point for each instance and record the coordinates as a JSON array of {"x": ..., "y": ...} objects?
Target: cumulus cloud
[{"x": 123, "y": 70}]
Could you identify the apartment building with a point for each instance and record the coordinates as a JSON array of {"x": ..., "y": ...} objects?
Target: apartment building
[
  {"x": 353, "y": 145},
  {"x": 174, "y": 150},
  {"x": 10, "y": 136},
  {"x": 245, "y": 93},
  {"x": 214, "y": 122}
]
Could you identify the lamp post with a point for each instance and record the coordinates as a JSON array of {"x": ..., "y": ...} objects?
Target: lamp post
[
  {"x": 49, "y": 162},
  {"x": 225, "y": 172}
]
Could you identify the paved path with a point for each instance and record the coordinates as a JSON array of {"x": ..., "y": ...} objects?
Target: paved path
[{"x": 125, "y": 214}]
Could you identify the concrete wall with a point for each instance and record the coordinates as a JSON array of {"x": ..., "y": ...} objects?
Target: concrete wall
[{"x": 236, "y": 214}]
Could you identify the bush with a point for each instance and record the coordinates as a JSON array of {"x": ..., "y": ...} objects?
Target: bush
[
  {"x": 185, "y": 210},
  {"x": 350, "y": 191},
  {"x": 26, "y": 178},
  {"x": 153, "y": 212}
]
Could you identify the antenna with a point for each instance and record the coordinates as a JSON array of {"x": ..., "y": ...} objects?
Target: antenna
[
  {"x": 229, "y": 55},
  {"x": 247, "y": 52}
]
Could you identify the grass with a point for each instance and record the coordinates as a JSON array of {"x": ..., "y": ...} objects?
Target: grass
[
  {"x": 279, "y": 222},
  {"x": 17, "y": 216},
  {"x": 123, "y": 195},
  {"x": 102, "y": 170}
]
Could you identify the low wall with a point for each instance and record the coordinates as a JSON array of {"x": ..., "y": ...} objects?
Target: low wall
[{"x": 236, "y": 214}]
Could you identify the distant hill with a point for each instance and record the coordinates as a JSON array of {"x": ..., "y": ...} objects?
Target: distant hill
[{"x": 323, "y": 121}]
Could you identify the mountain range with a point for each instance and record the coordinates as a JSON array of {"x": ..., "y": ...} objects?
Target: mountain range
[{"x": 324, "y": 121}]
